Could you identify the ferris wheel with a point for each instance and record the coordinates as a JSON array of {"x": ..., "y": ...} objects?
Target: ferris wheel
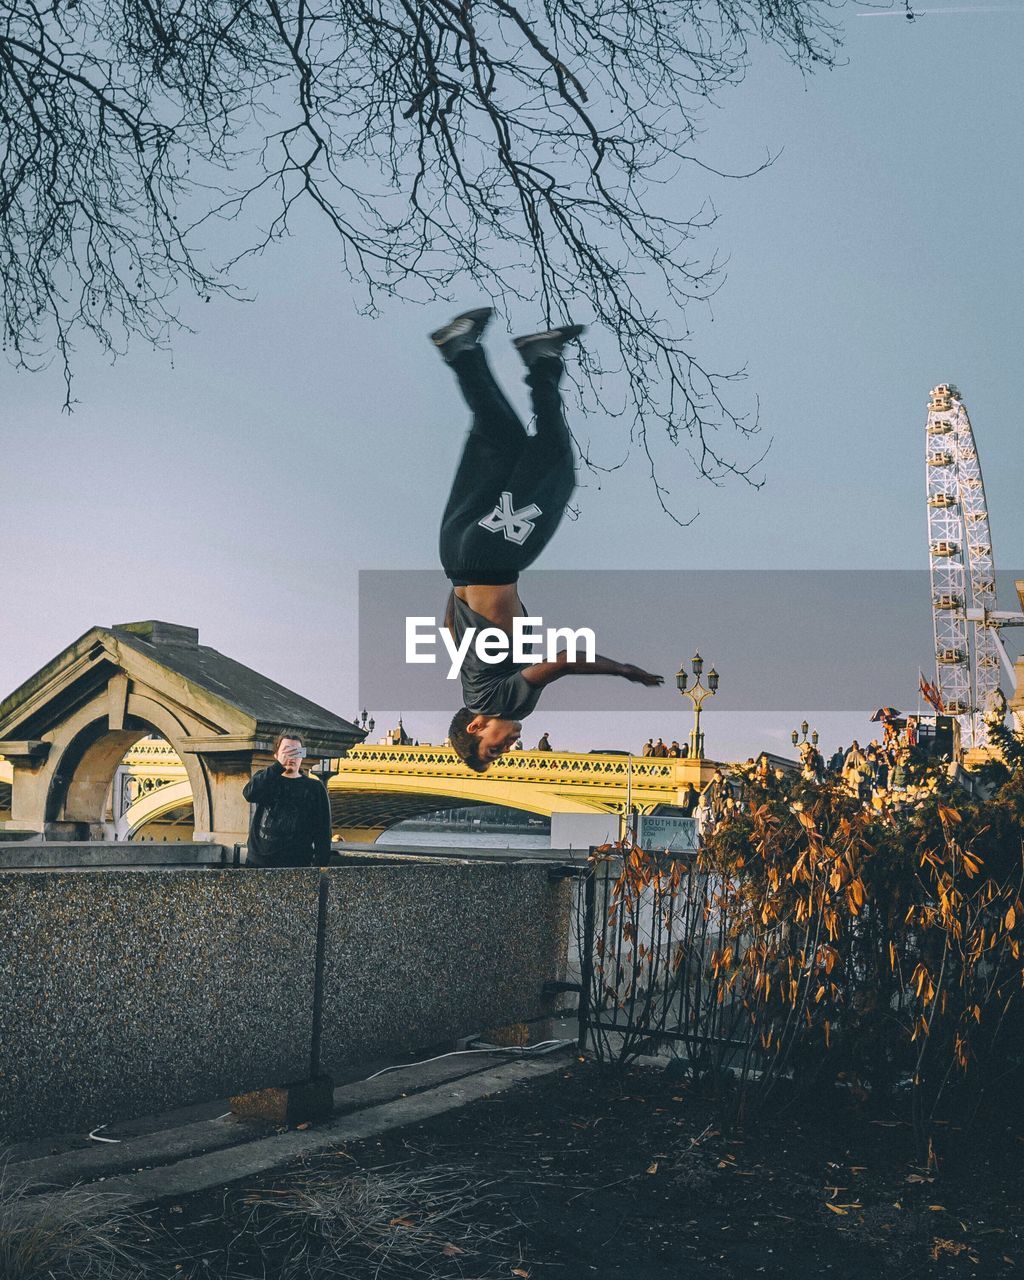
[{"x": 963, "y": 579}]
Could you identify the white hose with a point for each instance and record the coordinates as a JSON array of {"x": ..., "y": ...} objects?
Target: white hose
[{"x": 94, "y": 1136}]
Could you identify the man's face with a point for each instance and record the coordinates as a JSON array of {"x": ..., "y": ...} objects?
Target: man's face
[
  {"x": 289, "y": 752},
  {"x": 494, "y": 736}
]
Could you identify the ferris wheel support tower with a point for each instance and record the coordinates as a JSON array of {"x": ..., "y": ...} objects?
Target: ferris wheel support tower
[{"x": 963, "y": 579}]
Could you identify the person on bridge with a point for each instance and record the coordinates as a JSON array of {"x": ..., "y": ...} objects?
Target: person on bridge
[
  {"x": 506, "y": 502},
  {"x": 291, "y": 821}
]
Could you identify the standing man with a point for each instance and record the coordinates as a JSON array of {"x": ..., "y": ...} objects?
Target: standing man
[
  {"x": 291, "y": 821},
  {"x": 506, "y": 502},
  {"x": 855, "y": 765}
]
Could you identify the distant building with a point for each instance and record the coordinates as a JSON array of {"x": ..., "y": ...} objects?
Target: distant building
[{"x": 398, "y": 737}]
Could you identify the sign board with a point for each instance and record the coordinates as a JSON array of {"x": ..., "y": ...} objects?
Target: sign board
[{"x": 678, "y": 835}]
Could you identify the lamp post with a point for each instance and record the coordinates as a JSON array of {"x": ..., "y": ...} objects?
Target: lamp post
[
  {"x": 798, "y": 741},
  {"x": 361, "y": 722},
  {"x": 697, "y": 693}
]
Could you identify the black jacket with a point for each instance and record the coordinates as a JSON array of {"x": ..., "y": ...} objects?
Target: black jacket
[{"x": 291, "y": 821}]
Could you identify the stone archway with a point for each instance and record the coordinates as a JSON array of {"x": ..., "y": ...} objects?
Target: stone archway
[
  {"x": 79, "y": 773},
  {"x": 61, "y": 787}
]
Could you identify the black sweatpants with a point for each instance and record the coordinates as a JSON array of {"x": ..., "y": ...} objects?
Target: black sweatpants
[{"x": 510, "y": 490}]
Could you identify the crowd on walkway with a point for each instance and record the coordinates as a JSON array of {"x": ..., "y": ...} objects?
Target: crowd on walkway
[
  {"x": 888, "y": 771},
  {"x": 881, "y": 766},
  {"x": 672, "y": 751}
]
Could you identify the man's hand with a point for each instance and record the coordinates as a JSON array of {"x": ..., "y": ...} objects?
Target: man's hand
[
  {"x": 290, "y": 754},
  {"x": 639, "y": 676}
]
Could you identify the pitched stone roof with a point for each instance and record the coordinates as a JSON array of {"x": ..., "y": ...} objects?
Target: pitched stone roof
[
  {"x": 250, "y": 703},
  {"x": 252, "y": 693}
]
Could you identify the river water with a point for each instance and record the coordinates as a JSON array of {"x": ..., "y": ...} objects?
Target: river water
[{"x": 467, "y": 838}]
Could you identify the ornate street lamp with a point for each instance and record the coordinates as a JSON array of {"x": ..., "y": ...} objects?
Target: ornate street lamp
[
  {"x": 799, "y": 737},
  {"x": 697, "y": 693},
  {"x": 361, "y": 722}
]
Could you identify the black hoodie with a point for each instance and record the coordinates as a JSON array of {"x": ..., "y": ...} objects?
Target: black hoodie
[{"x": 291, "y": 823}]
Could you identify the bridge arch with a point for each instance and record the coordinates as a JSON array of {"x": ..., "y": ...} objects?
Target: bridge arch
[
  {"x": 154, "y": 805},
  {"x": 376, "y": 786},
  {"x": 365, "y": 815}
]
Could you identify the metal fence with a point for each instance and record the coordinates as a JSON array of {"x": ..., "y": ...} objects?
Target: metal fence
[{"x": 650, "y": 938}]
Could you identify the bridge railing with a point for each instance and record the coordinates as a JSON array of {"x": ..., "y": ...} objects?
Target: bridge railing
[
  {"x": 145, "y": 750},
  {"x": 521, "y": 766}
]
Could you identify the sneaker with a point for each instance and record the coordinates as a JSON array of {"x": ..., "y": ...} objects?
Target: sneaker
[
  {"x": 462, "y": 333},
  {"x": 547, "y": 345}
]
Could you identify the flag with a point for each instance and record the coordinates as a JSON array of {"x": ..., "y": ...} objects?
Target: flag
[{"x": 930, "y": 694}]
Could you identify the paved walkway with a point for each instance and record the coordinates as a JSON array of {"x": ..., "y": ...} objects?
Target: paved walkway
[{"x": 175, "y": 1159}]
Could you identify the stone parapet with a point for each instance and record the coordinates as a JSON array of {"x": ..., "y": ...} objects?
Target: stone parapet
[{"x": 128, "y": 992}]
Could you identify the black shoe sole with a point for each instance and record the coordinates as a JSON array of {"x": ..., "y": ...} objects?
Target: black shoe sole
[
  {"x": 563, "y": 334},
  {"x": 479, "y": 318}
]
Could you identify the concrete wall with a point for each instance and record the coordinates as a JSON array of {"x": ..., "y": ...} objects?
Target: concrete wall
[
  {"x": 419, "y": 953},
  {"x": 72, "y": 855},
  {"x": 125, "y": 992}
]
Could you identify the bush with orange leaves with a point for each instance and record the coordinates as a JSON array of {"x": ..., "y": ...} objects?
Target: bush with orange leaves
[{"x": 814, "y": 941}]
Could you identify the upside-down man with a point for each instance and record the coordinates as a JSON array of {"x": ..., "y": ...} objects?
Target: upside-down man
[{"x": 506, "y": 502}]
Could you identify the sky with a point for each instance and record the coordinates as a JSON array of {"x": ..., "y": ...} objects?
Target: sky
[{"x": 241, "y": 482}]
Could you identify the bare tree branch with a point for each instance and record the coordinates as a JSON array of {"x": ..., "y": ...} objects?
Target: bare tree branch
[{"x": 529, "y": 147}]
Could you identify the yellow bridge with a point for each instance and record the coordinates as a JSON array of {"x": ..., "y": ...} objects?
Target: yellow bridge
[{"x": 374, "y": 787}]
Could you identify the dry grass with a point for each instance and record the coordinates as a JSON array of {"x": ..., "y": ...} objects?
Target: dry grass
[
  {"x": 394, "y": 1223},
  {"x": 383, "y": 1224},
  {"x": 64, "y": 1235}
]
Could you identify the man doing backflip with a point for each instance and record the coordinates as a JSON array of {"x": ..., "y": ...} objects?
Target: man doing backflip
[{"x": 506, "y": 502}]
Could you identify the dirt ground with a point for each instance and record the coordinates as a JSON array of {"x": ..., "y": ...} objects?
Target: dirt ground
[{"x": 583, "y": 1173}]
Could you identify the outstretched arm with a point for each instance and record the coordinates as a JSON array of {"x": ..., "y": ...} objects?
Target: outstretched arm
[
  {"x": 544, "y": 673},
  {"x": 261, "y": 784}
]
